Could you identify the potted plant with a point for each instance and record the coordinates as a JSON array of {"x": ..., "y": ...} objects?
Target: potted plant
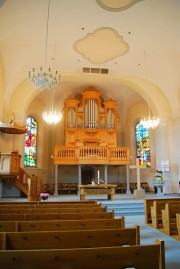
[{"x": 44, "y": 196}]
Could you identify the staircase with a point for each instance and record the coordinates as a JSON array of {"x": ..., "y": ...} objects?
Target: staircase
[
  {"x": 125, "y": 208},
  {"x": 10, "y": 169}
]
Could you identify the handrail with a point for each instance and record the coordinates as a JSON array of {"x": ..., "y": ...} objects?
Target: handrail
[
  {"x": 75, "y": 154},
  {"x": 21, "y": 181}
]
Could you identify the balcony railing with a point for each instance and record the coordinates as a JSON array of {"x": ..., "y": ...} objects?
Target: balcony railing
[{"x": 91, "y": 155}]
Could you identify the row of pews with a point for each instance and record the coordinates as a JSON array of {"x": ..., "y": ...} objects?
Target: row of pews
[
  {"x": 164, "y": 214},
  {"x": 72, "y": 235},
  {"x": 72, "y": 188}
]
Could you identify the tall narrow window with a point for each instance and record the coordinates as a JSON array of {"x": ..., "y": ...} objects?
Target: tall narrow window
[
  {"x": 142, "y": 145},
  {"x": 30, "y": 152}
]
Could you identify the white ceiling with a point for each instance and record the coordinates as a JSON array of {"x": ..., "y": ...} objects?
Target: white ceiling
[{"x": 147, "y": 25}]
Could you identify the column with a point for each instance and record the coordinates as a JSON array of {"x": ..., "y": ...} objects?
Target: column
[
  {"x": 56, "y": 180},
  {"x": 105, "y": 174},
  {"x": 138, "y": 177},
  {"x": 79, "y": 176},
  {"x": 127, "y": 180},
  {"x": 162, "y": 151}
]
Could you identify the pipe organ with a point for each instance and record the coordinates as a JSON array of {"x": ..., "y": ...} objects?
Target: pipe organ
[{"x": 90, "y": 120}]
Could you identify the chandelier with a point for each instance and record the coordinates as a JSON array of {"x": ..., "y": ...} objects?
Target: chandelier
[
  {"x": 149, "y": 122},
  {"x": 52, "y": 117},
  {"x": 44, "y": 78}
]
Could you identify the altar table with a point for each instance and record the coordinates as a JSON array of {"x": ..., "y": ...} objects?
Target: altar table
[{"x": 108, "y": 189}]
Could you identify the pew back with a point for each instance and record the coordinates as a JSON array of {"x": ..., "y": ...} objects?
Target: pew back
[
  {"x": 69, "y": 239},
  {"x": 169, "y": 218},
  {"x": 51, "y": 210},
  {"x": 178, "y": 224},
  {"x": 57, "y": 216},
  {"x": 156, "y": 212},
  {"x": 148, "y": 203},
  {"x": 59, "y": 225},
  {"x": 139, "y": 257},
  {"x": 48, "y": 202},
  {"x": 48, "y": 205}
]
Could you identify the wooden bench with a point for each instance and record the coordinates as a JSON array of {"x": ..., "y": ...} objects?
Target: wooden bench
[
  {"x": 59, "y": 225},
  {"x": 69, "y": 239},
  {"x": 178, "y": 224},
  {"x": 121, "y": 188},
  {"x": 57, "y": 216},
  {"x": 48, "y": 202},
  {"x": 156, "y": 212},
  {"x": 138, "y": 257},
  {"x": 169, "y": 218},
  {"x": 49, "y": 205},
  {"x": 148, "y": 203},
  {"x": 51, "y": 210},
  {"x": 67, "y": 188}
]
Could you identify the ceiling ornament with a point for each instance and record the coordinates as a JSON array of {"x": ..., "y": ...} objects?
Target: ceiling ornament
[
  {"x": 149, "y": 122},
  {"x": 44, "y": 78},
  {"x": 101, "y": 46},
  {"x": 116, "y": 5}
]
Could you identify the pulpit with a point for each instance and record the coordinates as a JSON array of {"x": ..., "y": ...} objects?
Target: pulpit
[{"x": 9, "y": 163}]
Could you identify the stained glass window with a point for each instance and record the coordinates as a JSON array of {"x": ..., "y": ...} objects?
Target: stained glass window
[
  {"x": 142, "y": 145},
  {"x": 30, "y": 152}
]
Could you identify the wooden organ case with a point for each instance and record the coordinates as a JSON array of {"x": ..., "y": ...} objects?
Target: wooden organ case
[
  {"x": 91, "y": 121},
  {"x": 91, "y": 132}
]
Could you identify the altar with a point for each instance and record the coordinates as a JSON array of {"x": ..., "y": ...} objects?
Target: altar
[{"x": 108, "y": 189}]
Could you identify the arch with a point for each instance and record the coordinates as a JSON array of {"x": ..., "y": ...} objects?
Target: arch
[{"x": 157, "y": 100}]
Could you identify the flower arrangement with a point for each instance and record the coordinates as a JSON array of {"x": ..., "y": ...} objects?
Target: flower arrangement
[
  {"x": 158, "y": 182},
  {"x": 158, "y": 176},
  {"x": 44, "y": 195}
]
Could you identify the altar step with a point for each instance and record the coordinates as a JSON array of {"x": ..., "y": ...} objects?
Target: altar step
[{"x": 131, "y": 208}]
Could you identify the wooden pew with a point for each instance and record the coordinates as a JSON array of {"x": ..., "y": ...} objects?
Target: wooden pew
[
  {"x": 57, "y": 216},
  {"x": 178, "y": 224},
  {"x": 69, "y": 239},
  {"x": 48, "y": 202},
  {"x": 139, "y": 257},
  {"x": 169, "y": 218},
  {"x": 156, "y": 212},
  {"x": 59, "y": 225},
  {"x": 51, "y": 210},
  {"x": 148, "y": 203},
  {"x": 49, "y": 205}
]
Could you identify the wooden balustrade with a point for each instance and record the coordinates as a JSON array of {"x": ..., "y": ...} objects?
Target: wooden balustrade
[{"x": 93, "y": 155}]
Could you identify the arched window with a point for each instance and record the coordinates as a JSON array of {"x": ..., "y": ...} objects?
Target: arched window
[
  {"x": 30, "y": 152},
  {"x": 142, "y": 145}
]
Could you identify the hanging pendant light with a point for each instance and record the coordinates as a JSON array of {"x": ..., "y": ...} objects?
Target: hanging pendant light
[
  {"x": 52, "y": 117},
  {"x": 46, "y": 78},
  {"x": 149, "y": 122}
]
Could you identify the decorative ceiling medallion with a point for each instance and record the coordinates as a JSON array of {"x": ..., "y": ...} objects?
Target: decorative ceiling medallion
[
  {"x": 101, "y": 46},
  {"x": 116, "y": 5}
]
